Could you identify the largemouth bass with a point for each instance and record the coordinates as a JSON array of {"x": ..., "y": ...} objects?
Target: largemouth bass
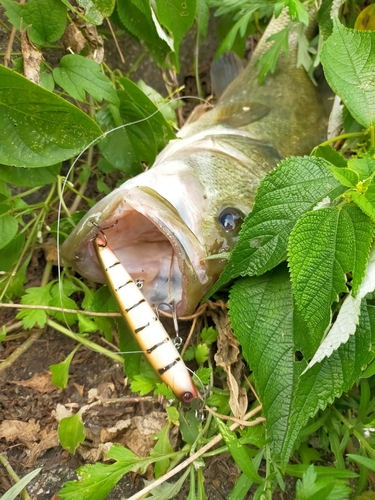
[{"x": 190, "y": 204}]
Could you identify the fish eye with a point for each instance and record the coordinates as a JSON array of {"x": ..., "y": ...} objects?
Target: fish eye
[{"x": 230, "y": 219}]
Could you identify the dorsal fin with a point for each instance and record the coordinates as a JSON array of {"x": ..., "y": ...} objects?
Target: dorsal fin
[{"x": 224, "y": 71}]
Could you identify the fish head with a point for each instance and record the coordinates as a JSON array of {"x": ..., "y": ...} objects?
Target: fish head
[{"x": 164, "y": 224}]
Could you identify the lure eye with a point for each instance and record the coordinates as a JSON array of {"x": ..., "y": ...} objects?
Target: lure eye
[
  {"x": 187, "y": 397},
  {"x": 230, "y": 219}
]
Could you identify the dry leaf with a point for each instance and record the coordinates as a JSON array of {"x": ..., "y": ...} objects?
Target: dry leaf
[
  {"x": 138, "y": 437},
  {"x": 31, "y": 59},
  {"x": 15, "y": 430},
  {"x": 73, "y": 40},
  {"x": 61, "y": 412},
  {"x": 228, "y": 356},
  {"x": 40, "y": 382}
]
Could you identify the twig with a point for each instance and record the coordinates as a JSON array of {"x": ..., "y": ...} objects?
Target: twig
[
  {"x": 115, "y": 40},
  {"x": 59, "y": 309},
  {"x": 10, "y": 42},
  {"x": 234, "y": 419},
  {"x": 13, "y": 475},
  {"x": 187, "y": 342},
  {"x": 194, "y": 457},
  {"x": 20, "y": 350}
]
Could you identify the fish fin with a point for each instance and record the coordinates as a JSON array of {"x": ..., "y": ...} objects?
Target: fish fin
[
  {"x": 224, "y": 71},
  {"x": 239, "y": 114}
]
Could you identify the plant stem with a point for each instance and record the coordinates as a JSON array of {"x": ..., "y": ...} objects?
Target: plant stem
[
  {"x": 13, "y": 475},
  {"x": 342, "y": 136},
  {"x": 85, "y": 341}
]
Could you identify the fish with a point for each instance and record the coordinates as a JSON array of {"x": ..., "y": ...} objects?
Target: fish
[
  {"x": 145, "y": 325},
  {"x": 189, "y": 206}
]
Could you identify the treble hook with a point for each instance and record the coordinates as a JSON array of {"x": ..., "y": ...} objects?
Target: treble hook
[
  {"x": 101, "y": 232},
  {"x": 177, "y": 341}
]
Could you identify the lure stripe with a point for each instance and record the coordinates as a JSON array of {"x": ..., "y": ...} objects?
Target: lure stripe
[
  {"x": 147, "y": 330},
  {"x": 137, "y": 330},
  {"x": 122, "y": 286},
  {"x": 168, "y": 367},
  {"x": 113, "y": 265},
  {"x": 149, "y": 351},
  {"x": 135, "y": 305}
]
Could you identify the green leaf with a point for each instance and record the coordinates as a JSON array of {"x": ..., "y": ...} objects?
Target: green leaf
[
  {"x": 147, "y": 109},
  {"x": 132, "y": 144},
  {"x": 348, "y": 67},
  {"x": 203, "y": 375},
  {"x": 35, "y": 296},
  {"x": 201, "y": 353},
  {"x": 324, "y": 245},
  {"x": 347, "y": 177},
  {"x": 99, "y": 479},
  {"x": 166, "y": 491},
  {"x": 162, "y": 447},
  {"x": 324, "y": 18},
  {"x": 331, "y": 155},
  {"x": 45, "y": 20},
  {"x": 208, "y": 335},
  {"x": 327, "y": 380},
  {"x": 264, "y": 235},
  {"x": 365, "y": 201},
  {"x": 93, "y": 12},
  {"x": 71, "y": 432},
  {"x": 367, "y": 462},
  {"x": 9, "y": 254},
  {"x": 348, "y": 316},
  {"x": 29, "y": 177},
  {"x": 17, "y": 488},
  {"x": 364, "y": 166},
  {"x": 177, "y": 17},
  {"x": 105, "y": 7},
  {"x": 189, "y": 426},
  {"x": 8, "y": 229},
  {"x": 297, "y": 11},
  {"x": 269, "y": 59},
  {"x": 60, "y": 371},
  {"x": 78, "y": 75},
  {"x": 143, "y": 385},
  {"x": 323, "y": 488},
  {"x": 136, "y": 18},
  {"x": 238, "y": 452},
  {"x": 59, "y": 131},
  {"x": 261, "y": 314}
]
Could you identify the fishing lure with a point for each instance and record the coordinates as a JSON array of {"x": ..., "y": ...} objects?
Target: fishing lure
[{"x": 145, "y": 325}]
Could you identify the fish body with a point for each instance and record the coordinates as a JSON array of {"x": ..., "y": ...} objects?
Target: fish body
[{"x": 190, "y": 204}]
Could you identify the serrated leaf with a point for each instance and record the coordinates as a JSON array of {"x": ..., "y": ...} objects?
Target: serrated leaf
[
  {"x": 59, "y": 131},
  {"x": 348, "y": 67},
  {"x": 327, "y": 380},
  {"x": 331, "y": 155},
  {"x": 8, "y": 229},
  {"x": 29, "y": 177},
  {"x": 347, "y": 177},
  {"x": 208, "y": 335},
  {"x": 297, "y": 11},
  {"x": 78, "y": 75},
  {"x": 324, "y": 245},
  {"x": 201, "y": 353},
  {"x": 60, "y": 371},
  {"x": 348, "y": 317},
  {"x": 365, "y": 201},
  {"x": 269, "y": 59},
  {"x": 264, "y": 235},
  {"x": 35, "y": 296},
  {"x": 261, "y": 314},
  {"x": 364, "y": 166},
  {"x": 98, "y": 480},
  {"x": 238, "y": 452},
  {"x": 143, "y": 385},
  {"x": 203, "y": 375},
  {"x": 71, "y": 432}
]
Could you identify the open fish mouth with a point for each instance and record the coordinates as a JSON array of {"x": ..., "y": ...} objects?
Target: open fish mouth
[{"x": 152, "y": 242}]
